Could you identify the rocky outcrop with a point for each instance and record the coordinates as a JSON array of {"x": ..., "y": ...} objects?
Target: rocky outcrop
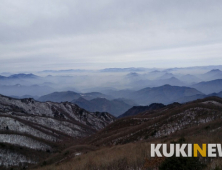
[{"x": 42, "y": 127}]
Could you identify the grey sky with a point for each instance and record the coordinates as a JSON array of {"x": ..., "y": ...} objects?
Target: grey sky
[{"x": 64, "y": 34}]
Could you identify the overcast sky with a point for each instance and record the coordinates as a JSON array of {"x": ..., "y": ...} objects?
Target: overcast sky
[{"x": 85, "y": 34}]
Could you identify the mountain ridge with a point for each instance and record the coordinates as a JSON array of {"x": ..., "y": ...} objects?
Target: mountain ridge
[{"x": 41, "y": 128}]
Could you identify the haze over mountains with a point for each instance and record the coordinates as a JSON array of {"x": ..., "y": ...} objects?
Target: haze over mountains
[
  {"x": 125, "y": 99},
  {"x": 115, "y": 90},
  {"x": 101, "y": 108},
  {"x": 119, "y": 88}
]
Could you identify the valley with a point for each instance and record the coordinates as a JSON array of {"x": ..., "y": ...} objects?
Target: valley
[{"x": 71, "y": 128}]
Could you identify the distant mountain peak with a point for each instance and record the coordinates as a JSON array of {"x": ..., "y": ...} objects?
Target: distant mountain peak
[
  {"x": 216, "y": 70},
  {"x": 165, "y": 85},
  {"x": 22, "y": 75},
  {"x": 65, "y": 92},
  {"x": 100, "y": 99},
  {"x": 208, "y": 87},
  {"x": 132, "y": 74},
  {"x": 213, "y": 72},
  {"x": 80, "y": 99},
  {"x": 166, "y": 76},
  {"x": 173, "y": 78},
  {"x": 139, "y": 109}
]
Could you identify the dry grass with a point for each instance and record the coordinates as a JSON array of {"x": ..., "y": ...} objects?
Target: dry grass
[
  {"x": 132, "y": 156},
  {"x": 128, "y": 156},
  {"x": 135, "y": 155}
]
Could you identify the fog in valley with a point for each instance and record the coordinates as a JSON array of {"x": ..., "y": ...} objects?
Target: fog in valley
[
  {"x": 115, "y": 88},
  {"x": 83, "y": 81}
]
